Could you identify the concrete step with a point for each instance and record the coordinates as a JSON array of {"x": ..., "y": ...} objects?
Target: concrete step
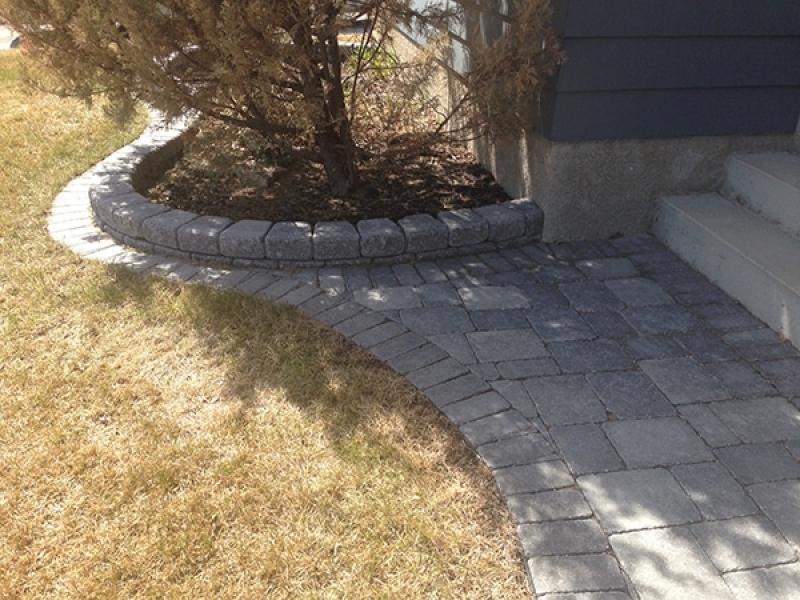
[
  {"x": 768, "y": 184},
  {"x": 747, "y": 256}
]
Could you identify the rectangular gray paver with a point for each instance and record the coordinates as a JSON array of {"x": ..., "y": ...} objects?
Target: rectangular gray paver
[
  {"x": 388, "y": 298},
  {"x": 714, "y": 491},
  {"x": 456, "y": 345},
  {"x": 777, "y": 582},
  {"x": 639, "y": 499},
  {"x": 497, "y": 319},
  {"x": 358, "y": 323},
  {"x": 554, "y": 505},
  {"x": 493, "y": 297},
  {"x": 607, "y": 268},
  {"x": 587, "y": 357},
  {"x": 741, "y": 379},
  {"x": 494, "y": 427},
  {"x": 378, "y": 334},
  {"x": 661, "y": 441},
  {"x": 684, "y": 380},
  {"x": 464, "y": 226},
  {"x": 590, "y": 296},
  {"x": 658, "y": 320},
  {"x": 648, "y": 347},
  {"x": 339, "y": 313},
  {"x": 559, "y": 325},
  {"x": 537, "y": 477},
  {"x": 638, "y": 291},
  {"x": 514, "y": 344},
  {"x": 518, "y": 450},
  {"x": 586, "y": 449},
  {"x": 456, "y": 389},
  {"x": 779, "y": 501},
  {"x": 705, "y": 422},
  {"x": 630, "y": 394},
  {"x": 431, "y": 375},
  {"x": 417, "y": 358},
  {"x": 396, "y": 346},
  {"x": 430, "y": 321},
  {"x": 438, "y": 294},
  {"x": 581, "y": 536},
  {"x": 760, "y": 420},
  {"x": 706, "y": 346},
  {"x": 743, "y": 543},
  {"x": 565, "y": 400},
  {"x": 543, "y": 295},
  {"x": 517, "y": 395},
  {"x": 476, "y": 407},
  {"x": 757, "y": 463},
  {"x": 584, "y": 572},
  {"x": 609, "y": 324},
  {"x": 668, "y": 564},
  {"x": 523, "y": 369}
]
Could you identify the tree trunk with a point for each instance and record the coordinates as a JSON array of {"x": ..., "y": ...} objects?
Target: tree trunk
[{"x": 339, "y": 161}]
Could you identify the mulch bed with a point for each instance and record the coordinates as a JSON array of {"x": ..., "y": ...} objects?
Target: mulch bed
[{"x": 238, "y": 176}]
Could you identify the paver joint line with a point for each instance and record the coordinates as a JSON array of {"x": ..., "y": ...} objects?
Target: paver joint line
[{"x": 632, "y": 414}]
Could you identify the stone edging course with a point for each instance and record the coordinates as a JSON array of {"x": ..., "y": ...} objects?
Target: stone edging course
[{"x": 124, "y": 213}]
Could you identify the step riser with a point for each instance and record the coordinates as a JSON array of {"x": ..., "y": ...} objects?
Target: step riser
[
  {"x": 769, "y": 185},
  {"x": 709, "y": 243}
]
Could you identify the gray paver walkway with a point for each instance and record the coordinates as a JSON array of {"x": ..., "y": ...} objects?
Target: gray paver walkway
[{"x": 642, "y": 426}]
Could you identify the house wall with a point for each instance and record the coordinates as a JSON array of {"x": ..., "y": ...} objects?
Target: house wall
[{"x": 653, "y": 98}]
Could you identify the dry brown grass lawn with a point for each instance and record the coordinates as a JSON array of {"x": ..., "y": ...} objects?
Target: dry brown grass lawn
[{"x": 168, "y": 441}]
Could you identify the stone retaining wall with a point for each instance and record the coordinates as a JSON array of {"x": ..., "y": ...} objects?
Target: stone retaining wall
[{"x": 122, "y": 211}]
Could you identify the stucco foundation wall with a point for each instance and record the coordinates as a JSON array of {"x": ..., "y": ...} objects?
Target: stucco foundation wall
[{"x": 596, "y": 189}]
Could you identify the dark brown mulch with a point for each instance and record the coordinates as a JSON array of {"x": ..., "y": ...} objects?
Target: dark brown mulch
[{"x": 242, "y": 180}]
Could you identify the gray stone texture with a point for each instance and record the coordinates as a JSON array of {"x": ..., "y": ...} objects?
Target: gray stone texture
[
  {"x": 589, "y": 356},
  {"x": 492, "y": 297},
  {"x": 684, "y": 380},
  {"x": 782, "y": 581},
  {"x": 496, "y": 346},
  {"x": 244, "y": 239},
  {"x": 334, "y": 240},
  {"x": 537, "y": 477},
  {"x": 779, "y": 501},
  {"x": 380, "y": 237},
  {"x": 586, "y": 449},
  {"x": 504, "y": 223},
  {"x": 534, "y": 216},
  {"x": 578, "y": 573},
  {"x": 668, "y": 563},
  {"x": 162, "y": 228},
  {"x": 638, "y": 499},
  {"x": 202, "y": 235},
  {"x": 769, "y": 419},
  {"x": 656, "y": 442},
  {"x": 743, "y": 543},
  {"x": 630, "y": 395},
  {"x": 714, "y": 491},
  {"x": 423, "y": 233},
  {"x": 289, "y": 241},
  {"x": 758, "y": 463},
  {"x": 560, "y": 538},
  {"x": 465, "y": 227},
  {"x": 565, "y": 400}
]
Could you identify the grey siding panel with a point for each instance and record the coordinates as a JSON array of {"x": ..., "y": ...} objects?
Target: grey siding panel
[
  {"x": 667, "y": 18},
  {"x": 679, "y": 63},
  {"x": 670, "y": 113}
]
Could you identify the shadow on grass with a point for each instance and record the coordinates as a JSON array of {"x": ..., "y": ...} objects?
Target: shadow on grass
[{"x": 264, "y": 345}]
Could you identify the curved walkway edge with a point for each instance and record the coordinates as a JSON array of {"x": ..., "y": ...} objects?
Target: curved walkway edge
[{"x": 642, "y": 426}]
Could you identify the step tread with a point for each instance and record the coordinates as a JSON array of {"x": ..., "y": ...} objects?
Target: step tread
[
  {"x": 768, "y": 184},
  {"x": 757, "y": 239},
  {"x": 778, "y": 165}
]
